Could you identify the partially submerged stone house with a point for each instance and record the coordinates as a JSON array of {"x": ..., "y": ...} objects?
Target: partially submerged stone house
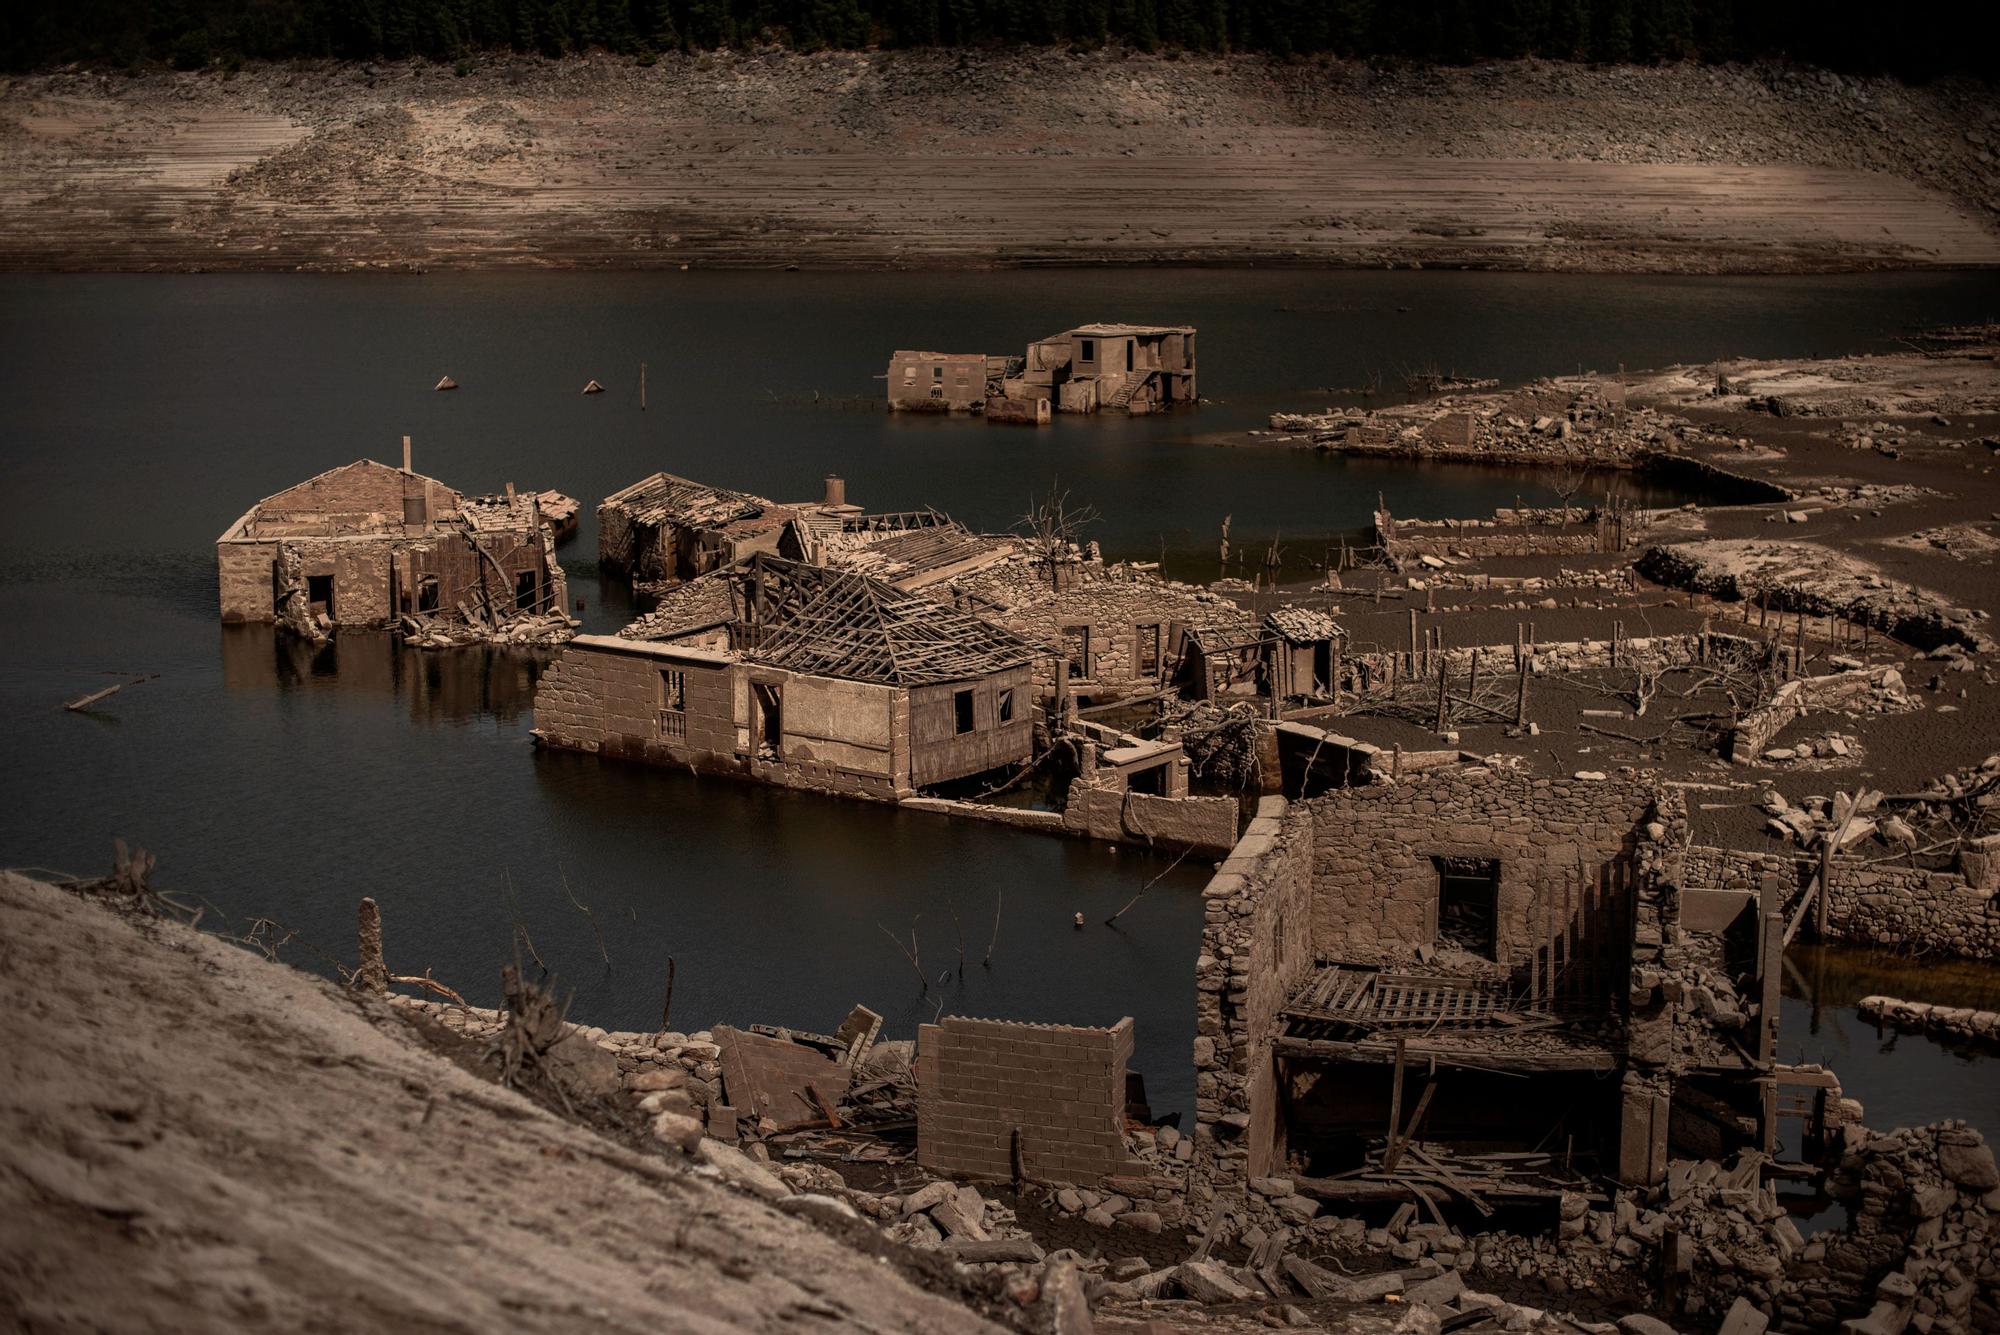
[
  {"x": 956, "y": 382},
  {"x": 366, "y": 545},
  {"x": 802, "y": 676},
  {"x": 665, "y": 527},
  {"x": 1134, "y": 369},
  {"x": 1483, "y": 960}
]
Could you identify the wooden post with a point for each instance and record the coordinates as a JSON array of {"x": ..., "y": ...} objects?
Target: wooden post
[
  {"x": 1396, "y": 1095},
  {"x": 1472, "y": 678},
  {"x": 1440, "y": 718},
  {"x": 1521, "y": 696},
  {"x": 1413, "y": 641},
  {"x": 373, "y": 975},
  {"x": 642, "y": 387}
]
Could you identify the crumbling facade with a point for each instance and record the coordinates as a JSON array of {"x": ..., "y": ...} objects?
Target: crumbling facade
[
  {"x": 801, "y": 676},
  {"x": 368, "y": 546},
  {"x": 1109, "y": 633},
  {"x": 1476, "y": 957},
  {"x": 1132, "y": 368},
  {"x": 957, "y": 382}
]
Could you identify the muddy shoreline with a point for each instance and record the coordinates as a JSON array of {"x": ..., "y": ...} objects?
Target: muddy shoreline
[{"x": 1023, "y": 159}]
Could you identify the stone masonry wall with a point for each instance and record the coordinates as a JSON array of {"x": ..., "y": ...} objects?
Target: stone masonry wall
[
  {"x": 1061, "y": 1087},
  {"x": 1255, "y": 947},
  {"x": 243, "y": 580},
  {"x": 1873, "y": 903},
  {"x": 1375, "y": 886}
]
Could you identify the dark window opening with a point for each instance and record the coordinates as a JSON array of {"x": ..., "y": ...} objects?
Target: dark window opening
[
  {"x": 1128, "y": 354},
  {"x": 1323, "y": 667},
  {"x": 1149, "y": 650},
  {"x": 319, "y": 593},
  {"x": 770, "y": 720},
  {"x": 1468, "y": 903},
  {"x": 1089, "y": 353},
  {"x": 961, "y": 709},
  {"x": 1004, "y": 706},
  {"x": 1151, "y": 781},
  {"x": 427, "y": 593},
  {"x": 527, "y": 591},
  {"x": 1076, "y": 643},
  {"x": 937, "y": 373},
  {"x": 673, "y": 688}
]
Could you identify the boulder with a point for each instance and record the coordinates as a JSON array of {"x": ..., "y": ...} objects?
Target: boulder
[
  {"x": 1967, "y": 1161},
  {"x": 741, "y": 1171},
  {"x": 1062, "y": 1295},
  {"x": 1208, "y": 1282},
  {"x": 678, "y": 1130},
  {"x": 1640, "y": 1324}
]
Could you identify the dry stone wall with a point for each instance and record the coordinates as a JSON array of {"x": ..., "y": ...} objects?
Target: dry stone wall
[{"x": 1873, "y": 903}]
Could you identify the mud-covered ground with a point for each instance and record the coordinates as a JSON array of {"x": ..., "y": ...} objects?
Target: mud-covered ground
[{"x": 941, "y": 158}]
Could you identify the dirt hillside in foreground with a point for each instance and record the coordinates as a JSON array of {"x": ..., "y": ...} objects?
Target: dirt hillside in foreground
[
  {"x": 937, "y": 158},
  {"x": 194, "y": 1139}
]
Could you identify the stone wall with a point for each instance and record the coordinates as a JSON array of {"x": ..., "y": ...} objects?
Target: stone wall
[
  {"x": 1369, "y": 674},
  {"x": 244, "y": 580},
  {"x": 1793, "y": 700},
  {"x": 1873, "y": 903},
  {"x": 1556, "y": 840},
  {"x": 1255, "y": 948},
  {"x": 1206, "y": 824},
  {"x": 1060, "y": 1087},
  {"x": 606, "y": 698}
]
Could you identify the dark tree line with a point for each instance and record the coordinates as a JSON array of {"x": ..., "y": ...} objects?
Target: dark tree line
[{"x": 1915, "y": 40}]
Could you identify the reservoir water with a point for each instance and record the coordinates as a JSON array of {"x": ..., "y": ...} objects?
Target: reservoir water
[{"x": 140, "y": 415}]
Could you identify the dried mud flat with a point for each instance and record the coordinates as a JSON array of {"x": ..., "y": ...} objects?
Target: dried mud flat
[
  {"x": 937, "y": 159},
  {"x": 247, "y": 1148}
]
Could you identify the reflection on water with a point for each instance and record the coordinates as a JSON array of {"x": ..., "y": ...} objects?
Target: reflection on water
[
  {"x": 1901, "y": 1079},
  {"x": 457, "y": 684}
]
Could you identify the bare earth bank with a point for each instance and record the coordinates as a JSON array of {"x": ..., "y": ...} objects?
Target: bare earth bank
[
  {"x": 939, "y": 159},
  {"x": 192, "y": 1138}
]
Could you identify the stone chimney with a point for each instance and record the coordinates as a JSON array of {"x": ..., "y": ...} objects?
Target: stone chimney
[
  {"x": 406, "y": 454},
  {"x": 836, "y": 490}
]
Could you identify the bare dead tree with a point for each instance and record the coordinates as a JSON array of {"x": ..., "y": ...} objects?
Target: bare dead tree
[
  {"x": 1566, "y": 479},
  {"x": 1054, "y": 523}
]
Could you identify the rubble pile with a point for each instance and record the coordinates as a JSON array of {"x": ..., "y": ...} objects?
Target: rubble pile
[
  {"x": 1817, "y": 580},
  {"x": 1580, "y": 420},
  {"x": 524, "y": 628},
  {"x": 1830, "y": 750},
  {"x": 1922, "y": 1247}
]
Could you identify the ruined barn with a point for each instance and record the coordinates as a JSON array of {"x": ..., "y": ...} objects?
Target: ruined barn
[
  {"x": 802, "y": 676},
  {"x": 366, "y": 545}
]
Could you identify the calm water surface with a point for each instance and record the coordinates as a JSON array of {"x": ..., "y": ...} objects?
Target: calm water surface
[{"x": 139, "y": 415}]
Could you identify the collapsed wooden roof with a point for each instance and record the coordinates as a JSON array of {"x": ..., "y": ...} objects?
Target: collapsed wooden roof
[
  {"x": 911, "y": 550},
  {"x": 664, "y": 498},
  {"x": 835, "y": 623}
]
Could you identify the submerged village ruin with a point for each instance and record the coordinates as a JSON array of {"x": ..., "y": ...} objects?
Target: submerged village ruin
[{"x": 1512, "y": 817}]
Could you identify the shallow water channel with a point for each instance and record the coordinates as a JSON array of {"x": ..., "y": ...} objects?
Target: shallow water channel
[{"x": 140, "y": 415}]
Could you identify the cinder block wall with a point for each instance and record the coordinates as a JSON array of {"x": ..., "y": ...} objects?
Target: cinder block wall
[{"x": 1062, "y": 1086}]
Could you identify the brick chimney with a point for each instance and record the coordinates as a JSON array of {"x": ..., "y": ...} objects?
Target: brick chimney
[{"x": 406, "y": 454}]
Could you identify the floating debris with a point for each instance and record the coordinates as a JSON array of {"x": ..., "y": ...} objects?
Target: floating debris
[
  {"x": 445, "y": 382},
  {"x": 593, "y": 388}
]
